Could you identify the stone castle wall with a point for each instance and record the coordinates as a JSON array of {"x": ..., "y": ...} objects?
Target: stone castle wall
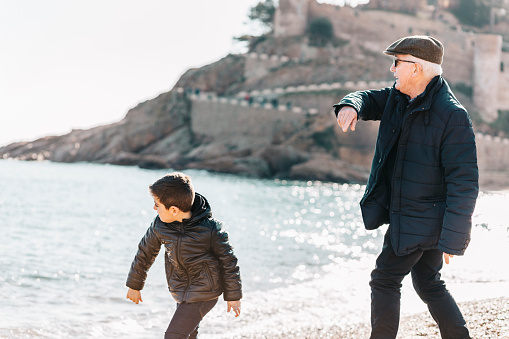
[
  {"x": 486, "y": 71},
  {"x": 473, "y": 60},
  {"x": 493, "y": 161},
  {"x": 503, "y": 83},
  {"x": 259, "y": 65},
  {"x": 221, "y": 119},
  {"x": 459, "y": 59},
  {"x": 233, "y": 119},
  {"x": 385, "y": 27}
]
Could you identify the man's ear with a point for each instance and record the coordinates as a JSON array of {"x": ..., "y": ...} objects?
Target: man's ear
[{"x": 417, "y": 70}]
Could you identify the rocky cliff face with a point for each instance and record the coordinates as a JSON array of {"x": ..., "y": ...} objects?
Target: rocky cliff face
[
  {"x": 159, "y": 133},
  {"x": 138, "y": 139}
]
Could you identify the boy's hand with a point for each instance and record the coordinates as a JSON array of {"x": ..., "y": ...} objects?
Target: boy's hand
[
  {"x": 134, "y": 296},
  {"x": 235, "y": 306}
]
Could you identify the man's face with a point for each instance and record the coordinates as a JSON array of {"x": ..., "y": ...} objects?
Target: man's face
[
  {"x": 166, "y": 215},
  {"x": 403, "y": 70}
]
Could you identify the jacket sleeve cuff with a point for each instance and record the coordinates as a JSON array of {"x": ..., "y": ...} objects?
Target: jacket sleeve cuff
[
  {"x": 453, "y": 251},
  {"x": 339, "y": 106},
  {"x": 232, "y": 295},
  {"x": 135, "y": 285}
]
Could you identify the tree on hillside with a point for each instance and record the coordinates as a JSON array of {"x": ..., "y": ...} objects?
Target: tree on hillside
[
  {"x": 320, "y": 32},
  {"x": 264, "y": 13}
]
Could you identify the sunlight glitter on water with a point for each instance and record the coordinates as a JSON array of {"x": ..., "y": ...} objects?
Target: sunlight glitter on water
[{"x": 304, "y": 254}]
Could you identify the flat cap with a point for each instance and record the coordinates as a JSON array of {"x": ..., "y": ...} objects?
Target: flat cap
[{"x": 420, "y": 46}]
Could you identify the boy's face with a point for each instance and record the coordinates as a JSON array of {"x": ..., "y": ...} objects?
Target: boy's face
[{"x": 166, "y": 215}]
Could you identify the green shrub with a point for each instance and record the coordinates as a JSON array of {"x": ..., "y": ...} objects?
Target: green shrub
[
  {"x": 464, "y": 88},
  {"x": 320, "y": 32},
  {"x": 263, "y": 12},
  {"x": 502, "y": 122},
  {"x": 472, "y": 12}
]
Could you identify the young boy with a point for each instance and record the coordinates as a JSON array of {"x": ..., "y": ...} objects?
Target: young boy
[{"x": 199, "y": 261}]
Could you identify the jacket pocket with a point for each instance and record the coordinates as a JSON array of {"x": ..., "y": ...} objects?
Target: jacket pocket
[
  {"x": 433, "y": 199},
  {"x": 374, "y": 215},
  {"x": 169, "y": 247},
  {"x": 211, "y": 280}
]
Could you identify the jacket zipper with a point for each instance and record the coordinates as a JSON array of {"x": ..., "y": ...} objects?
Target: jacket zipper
[
  {"x": 405, "y": 116},
  {"x": 384, "y": 157},
  {"x": 380, "y": 166},
  {"x": 179, "y": 241}
]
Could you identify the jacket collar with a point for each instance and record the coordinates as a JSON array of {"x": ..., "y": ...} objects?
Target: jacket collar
[
  {"x": 200, "y": 210},
  {"x": 423, "y": 101}
]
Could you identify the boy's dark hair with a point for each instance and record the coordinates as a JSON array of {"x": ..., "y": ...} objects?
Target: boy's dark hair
[{"x": 174, "y": 189}]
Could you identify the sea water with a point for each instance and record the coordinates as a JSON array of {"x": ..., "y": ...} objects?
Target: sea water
[{"x": 69, "y": 232}]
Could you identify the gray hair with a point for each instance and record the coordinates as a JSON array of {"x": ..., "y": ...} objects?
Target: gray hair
[{"x": 429, "y": 69}]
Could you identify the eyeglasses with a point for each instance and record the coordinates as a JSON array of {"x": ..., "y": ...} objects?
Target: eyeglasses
[{"x": 395, "y": 62}]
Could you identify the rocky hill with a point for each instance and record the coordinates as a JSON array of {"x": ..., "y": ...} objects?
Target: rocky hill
[{"x": 159, "y": 133}]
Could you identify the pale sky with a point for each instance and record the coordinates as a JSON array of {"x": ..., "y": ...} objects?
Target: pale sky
[
  {"x": 68, "y": 64},
  {"x": 82, "y": 63}
]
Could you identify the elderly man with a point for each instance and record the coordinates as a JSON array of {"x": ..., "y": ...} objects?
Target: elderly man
[{"x": 423, "y": 183}]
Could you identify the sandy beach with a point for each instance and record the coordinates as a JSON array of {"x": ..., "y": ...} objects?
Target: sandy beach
[{"x": 486, "y": 319}]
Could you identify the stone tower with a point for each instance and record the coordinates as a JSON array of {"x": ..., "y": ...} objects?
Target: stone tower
[
  {"x": 487, "y": 59},
  {"x": 291, "y": 17}
]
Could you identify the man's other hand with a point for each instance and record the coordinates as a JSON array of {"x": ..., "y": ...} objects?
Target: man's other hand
[{"x": 447, "y": 257}]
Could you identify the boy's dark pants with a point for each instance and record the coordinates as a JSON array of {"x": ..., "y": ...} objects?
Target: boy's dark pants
[
  {"x": 385, "y": 285},
  {"x": 186, "y": 319}
]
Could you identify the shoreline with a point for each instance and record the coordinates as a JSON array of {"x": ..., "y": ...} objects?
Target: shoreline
[{"x": 486, "y": 319}]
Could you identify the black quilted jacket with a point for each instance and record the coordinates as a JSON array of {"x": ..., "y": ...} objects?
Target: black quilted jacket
[
  {"x": 199, "y": 261},
  {"x": 430, "y": 200}
]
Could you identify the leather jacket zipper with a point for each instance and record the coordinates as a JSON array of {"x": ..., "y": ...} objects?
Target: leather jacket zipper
[{"x": 179, "y": 241}]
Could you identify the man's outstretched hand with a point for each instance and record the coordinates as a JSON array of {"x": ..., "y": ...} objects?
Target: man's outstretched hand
[{"x": 347, "y": 117}]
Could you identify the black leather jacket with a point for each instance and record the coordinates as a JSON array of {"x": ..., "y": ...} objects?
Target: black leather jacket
[
  {"x": 430, "y": 197},
  {"x": 199, "y": 261}
]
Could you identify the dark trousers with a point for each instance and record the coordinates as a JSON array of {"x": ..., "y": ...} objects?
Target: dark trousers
[
  {"x": 385, "y": 285},
  {"x": 186, "y": 319}
]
